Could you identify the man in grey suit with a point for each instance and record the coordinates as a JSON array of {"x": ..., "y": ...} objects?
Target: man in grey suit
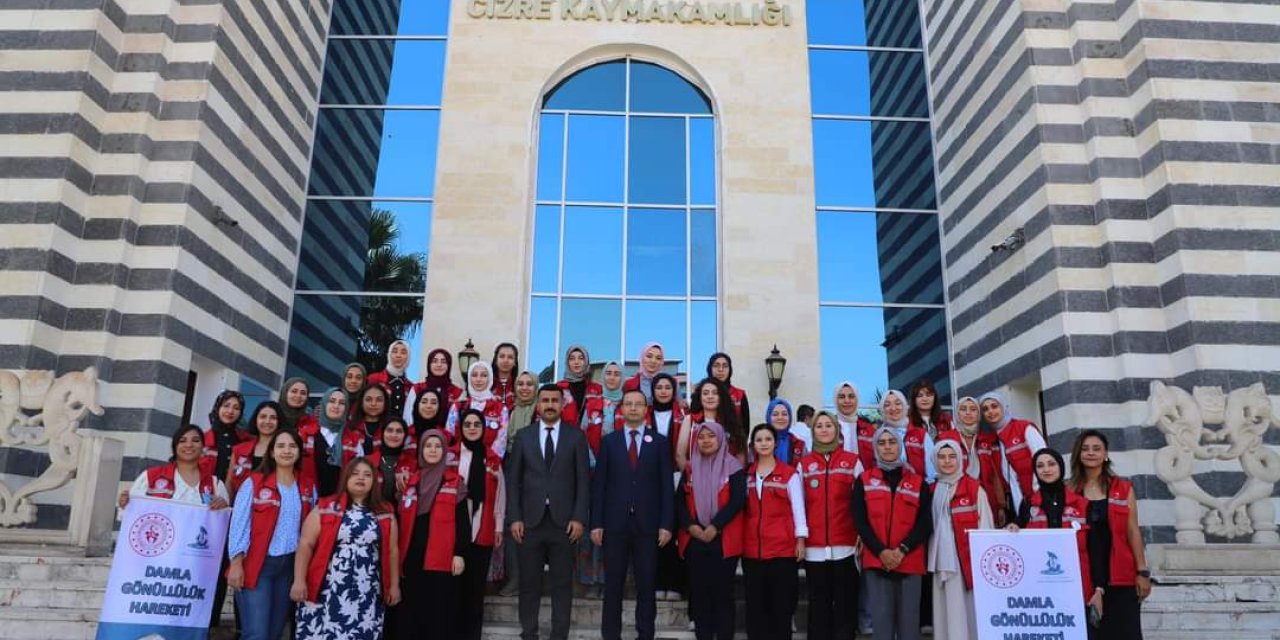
[{"x": 548, "y": 501}]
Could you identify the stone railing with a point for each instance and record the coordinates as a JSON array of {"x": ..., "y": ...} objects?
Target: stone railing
[
  {"x": 43, "y": 414},
  {"x": 1242, "y": 418}
]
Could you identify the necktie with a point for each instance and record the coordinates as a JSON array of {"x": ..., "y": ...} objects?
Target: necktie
[
  {"x": 549, "y": 448},
  {"x": 633, "y": 450}
]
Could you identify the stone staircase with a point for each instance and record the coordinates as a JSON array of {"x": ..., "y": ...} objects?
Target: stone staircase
[{"x": 46, "y": 596}]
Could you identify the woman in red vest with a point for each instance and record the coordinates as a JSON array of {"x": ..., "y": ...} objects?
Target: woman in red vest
[
  {"x": 1053, "y": 507},
  {"x": 393, "y": 460},
  {"x": 891, "y": 511},
  {"x": 435, "y": 532},
  {"x": 855, "y": 430},
  {"x": 223, "y": 434},
  {"x": 440, "y": 379},
  {"x": 505, "y": 367},
  {"x": 1117, "y": 557},
  {"x": 583, "y": 397},
  {"x": 926, "y": 411},
  {"x": 248, "y": 455},
  {"x": 347, "y": 564},
  {"x": 720, "y": 367},
  {"x": 711, "y": 404},
  {"x": 370, "y": 414},
  {"x": 1018, "y": 440},
  {"x": 480, "y": 397},
  {"x": 327, "y": 444},
  {"x": 959, "y": 505},
  {"x": 830, "y": 568},
  {"x": 294, "y": 395},
  {"x": 262, "y": 540},
  {"x": 713, "y": 491},
  {"x": 773, "y": 539},
  {"x": 652, "y": 360},
  {"x": 395, "y": 379},
  {"x": 480, "y": 469},
  {"x": 979, "y": 456},
  {"x": 917, "y": 444},
  {"x": 184, "y": 478},
  {"x": 429, "y": 412}
]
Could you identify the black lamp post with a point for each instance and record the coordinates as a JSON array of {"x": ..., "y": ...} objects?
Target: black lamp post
[
  {"x": 775, "y": 365},
  {"x": 467, "y": 357}
]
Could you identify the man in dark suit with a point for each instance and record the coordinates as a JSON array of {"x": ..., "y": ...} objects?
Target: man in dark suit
[
  {"x": 548, "y": 497},
  {"x": 632, "y": 513}
]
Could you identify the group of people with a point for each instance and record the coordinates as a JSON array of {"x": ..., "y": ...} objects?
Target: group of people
[{"x": 391, "y": 508}]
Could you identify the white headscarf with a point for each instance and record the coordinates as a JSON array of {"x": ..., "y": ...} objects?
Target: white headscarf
[
  {"x": 840, "y": 416},
  {"x": 395, "y": 373},
  {"x": 899, "y": 424},
  {"x": 943, "y": 558},
  {"x": 485, "y": 394}
]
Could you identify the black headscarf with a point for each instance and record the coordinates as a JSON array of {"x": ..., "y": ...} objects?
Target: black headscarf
[
  {"x": 1053, "y": 495},
  {"x": 727, "y": 359},
  {"x": 476, "y": 470},
  {"x": 420, "y": 424},
  {"x": 664, "y": 406}
]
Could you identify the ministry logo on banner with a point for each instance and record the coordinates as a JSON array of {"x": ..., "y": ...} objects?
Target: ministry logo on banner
[
  {"x": 1027, "y": 585},
  {"x": 165, "y": 571}
]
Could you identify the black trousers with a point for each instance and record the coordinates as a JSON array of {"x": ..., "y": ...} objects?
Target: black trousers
[
  {"x": 638, "y": 549},
  {"x": 772, "y": 587},
  {"x": 672, "y": 574},
  {"x": 711, "y": 577},
  {"x": 1121, "y": 615},
  {"x": 427, "y": 605},
  {"x": 833, "y": 599},
  {"x": 470, "y": 587},
  {"x": 546, "y": 544}
]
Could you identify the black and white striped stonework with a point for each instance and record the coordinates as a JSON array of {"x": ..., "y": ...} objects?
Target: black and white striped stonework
[
  {"x": 134, "y": 132},
  {"x": 1137, "y": 143}
]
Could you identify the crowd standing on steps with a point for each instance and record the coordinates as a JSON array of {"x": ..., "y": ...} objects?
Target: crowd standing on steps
[{"x": 389, "y": 507}]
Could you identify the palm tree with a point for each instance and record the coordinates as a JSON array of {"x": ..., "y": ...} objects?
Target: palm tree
[{"x": 384, "y": 319}]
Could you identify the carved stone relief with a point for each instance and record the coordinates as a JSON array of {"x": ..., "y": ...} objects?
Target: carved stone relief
[
  {"x": 42, "y": 412},
  {"x": 1244, "y": 415}
]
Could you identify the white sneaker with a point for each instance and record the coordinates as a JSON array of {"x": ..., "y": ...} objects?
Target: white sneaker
[{"x": 692, "y": 626}]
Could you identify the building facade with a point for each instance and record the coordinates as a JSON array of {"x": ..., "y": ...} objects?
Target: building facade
[{"x": 199, "y": 195}]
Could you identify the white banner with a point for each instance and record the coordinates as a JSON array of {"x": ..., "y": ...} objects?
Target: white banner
[
  {"x": 165, "y": 571},
  {"x": 1026, "y": 585}
]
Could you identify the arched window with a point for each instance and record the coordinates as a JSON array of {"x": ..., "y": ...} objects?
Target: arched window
[{"x": 624, "y": 246}]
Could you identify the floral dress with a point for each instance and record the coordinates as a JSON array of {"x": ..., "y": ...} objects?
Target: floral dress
[{"x": 350, "y": 603}]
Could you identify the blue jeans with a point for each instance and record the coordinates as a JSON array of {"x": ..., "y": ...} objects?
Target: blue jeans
[{"x": 265, "y": 608}]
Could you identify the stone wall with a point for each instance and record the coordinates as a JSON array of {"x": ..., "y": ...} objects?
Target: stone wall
[
  {"x": 1137, "y": 145},
  {"x": 152, "y": 170}
]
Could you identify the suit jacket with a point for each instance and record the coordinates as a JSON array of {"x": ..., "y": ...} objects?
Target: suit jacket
[
  {"x": 530, "y": 484},
  {"x": 617, "y": 490}
]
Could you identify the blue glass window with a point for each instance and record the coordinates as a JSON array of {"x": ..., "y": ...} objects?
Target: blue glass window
[
  {"x": 602, "y": 87},
  {"x": 636, "y": 215},
  {"x": 540, "y": 351},
  {"x": 375, "y": 152},
  {"x": 879, "y": 257},
  {"x": 406, "y": 18},
  {"x": 878, "y": 23},
  {"x": 338, "y": 236},
  {"x": 860, "y": 83},
  {"x": 658, "y": 90},
  {"x": 842, "y": 163},
  {"x": 397, "y": 72}
]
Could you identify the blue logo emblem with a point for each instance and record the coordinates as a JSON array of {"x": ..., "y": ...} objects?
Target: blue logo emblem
[{"x": 1051, "y": 566}]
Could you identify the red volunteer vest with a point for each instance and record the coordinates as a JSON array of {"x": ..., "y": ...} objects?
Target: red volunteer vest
[
  {"x": 161, "y": 482},
  {"x": 1014, "y": 439},
  {"x": 453, "y": 392},
  {"x": 988, "y": 452},
  {"x": 730, "y": 537},
  {"x": 262, "y": 521},
  {"x": 351, "y": 441},
  {"x": 768, "y": 530},
  {"x": 505, "y": 391},
  {"x": 585, "y": 413},
  {"x": 331, "y": 510},
  {"x": 1073, "y": 516},
  {"x": 914, "y": 441},
  {"x": 866, "y": 431},
  {"x": 209, "y": 459},
  {"x": 964, "y": 517},
  {"x": 241, "y": 464},
  {"x": 737, "y": 395},
  {"x": 495, "y": 420},
  {"x": 442, "y": 539},
  {"x": 941, "y": 426},
  {"x": 406, "y": 463},
  {"x": 1124, "y": 567},
  {"x": 493, "y": 474},
  {"x": 828, "y": 498},
  {"x": 892, "y": 515}
]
